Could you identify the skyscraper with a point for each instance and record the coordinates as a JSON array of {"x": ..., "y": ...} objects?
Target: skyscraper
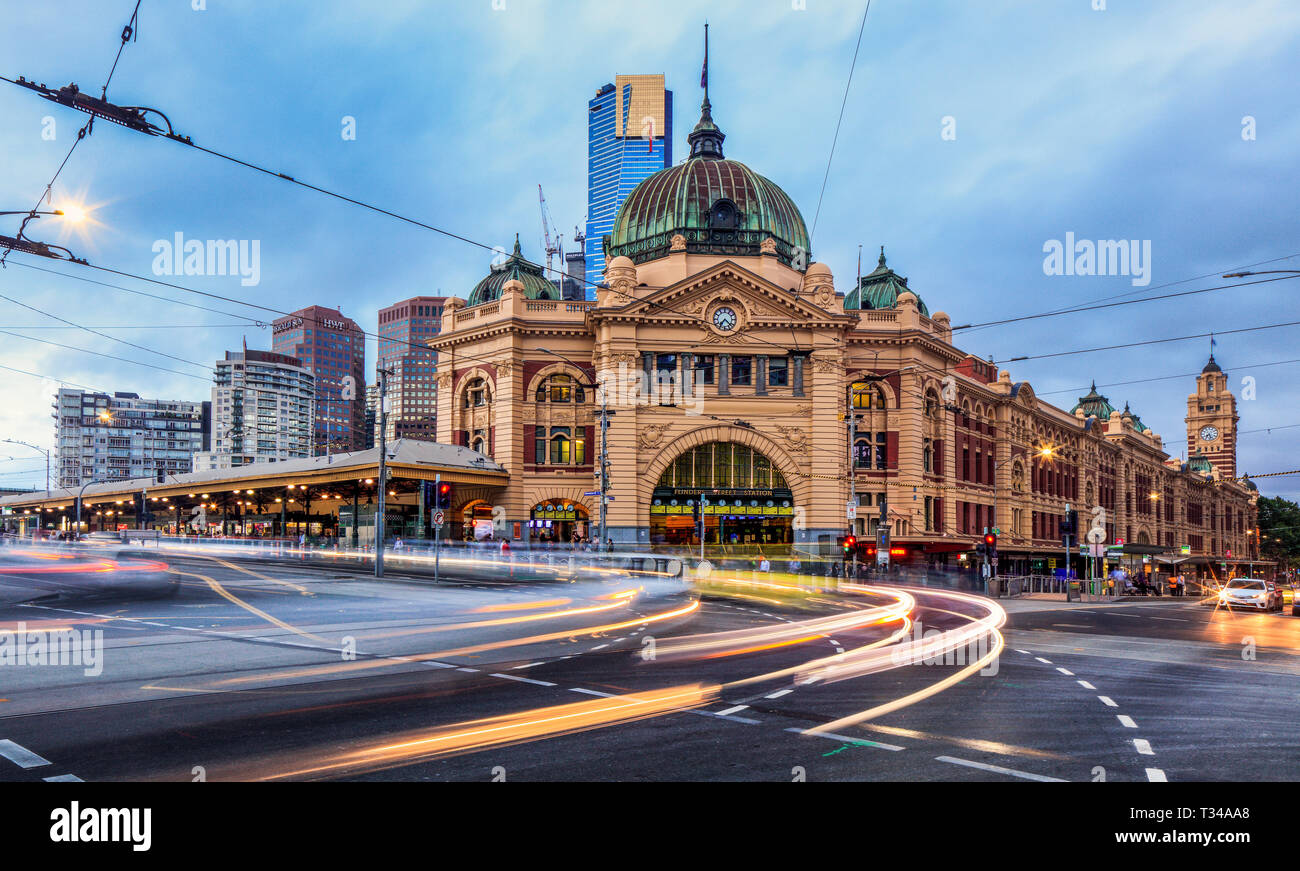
[
  {"x": 629, "y": 137},
  {"x": 263, "y": 409},
  {"x": 333, "y": 348},
  {"x": 404, "y": 327},
  {"x": 115, "y": 438}
]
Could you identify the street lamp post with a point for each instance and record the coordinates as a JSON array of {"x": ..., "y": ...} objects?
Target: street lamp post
[{"x": 40, "y": 450}]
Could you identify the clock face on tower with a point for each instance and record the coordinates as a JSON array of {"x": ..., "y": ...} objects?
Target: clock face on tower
[
  {"x": 724, "y": 319},
  {"x": 1209, "y": 433}
]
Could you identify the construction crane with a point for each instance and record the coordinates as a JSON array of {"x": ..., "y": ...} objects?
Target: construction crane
[{"x": 552, "y": 246}]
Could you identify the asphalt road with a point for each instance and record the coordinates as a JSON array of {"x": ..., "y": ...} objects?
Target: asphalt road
[{"x": 264, "y": 671}]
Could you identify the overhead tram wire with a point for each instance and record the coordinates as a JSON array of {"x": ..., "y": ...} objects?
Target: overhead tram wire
[
  {"x": 1162, "y": 378},
  {"x": 1120, "y": 303},
  {"x": 103, "y": 335},
  {"x": 101, "y": 354},
  {"x": 839, "y": 122},
  {"x": 127, "y": 32},
  {"x": 252, "y": 322},
  {"x": 1149, "y": 342},
  {"x": 1218, "y": 273}
]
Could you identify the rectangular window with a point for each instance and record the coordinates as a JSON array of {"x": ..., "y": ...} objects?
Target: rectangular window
[
  {"x": 741, "y": 370},
  {"x": 539, "y": 447},
  {"x": 882, "y": 450},
  {"x": 704, "y": 369},
  {"x": 580, "y": 446},
  {"x": 778, "y": 371}
]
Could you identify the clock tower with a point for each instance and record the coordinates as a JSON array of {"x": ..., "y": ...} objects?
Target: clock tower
[{"x": 1212, "y": 421}]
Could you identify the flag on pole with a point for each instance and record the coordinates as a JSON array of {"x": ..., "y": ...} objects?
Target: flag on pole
[{"x": 704, "y": 72}]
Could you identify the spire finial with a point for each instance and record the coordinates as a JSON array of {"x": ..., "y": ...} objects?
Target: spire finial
[
  {"x": 518, "y": 251},
  {"x": 881, "y": 261},
  {"x": 706, "y": 138}
]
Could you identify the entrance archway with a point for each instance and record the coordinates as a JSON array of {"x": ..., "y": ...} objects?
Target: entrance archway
[
  {"x": 733, "y": 489},
  {"x": 558, "y": 521}
]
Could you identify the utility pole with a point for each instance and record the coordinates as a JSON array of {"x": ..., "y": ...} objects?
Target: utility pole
[
  {"x": 853, "y": 472},
  {"x": 437, "y": 527},
  {"x": 382, "y": 480},
  {"x": 604, "y": 462}
]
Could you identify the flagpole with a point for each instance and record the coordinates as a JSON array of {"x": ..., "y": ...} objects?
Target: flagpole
[{"x": 706, "y": 61}]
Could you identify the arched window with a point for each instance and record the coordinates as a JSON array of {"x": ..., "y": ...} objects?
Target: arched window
[
  {"x": 862, "y": 454},
  {"x": 723, "y": 464},
  {"x": 477, "y": 445},
  {"x": 561, "y": 388},
  {"x": 561, "y": 448},
  {"x": 476, "y": 394},
  {"x": 866, "y": 395}
]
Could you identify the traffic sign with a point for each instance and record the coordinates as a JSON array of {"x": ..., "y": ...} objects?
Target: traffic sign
[
  {"x": 851, "y": 511},
  {"x": 592, "y": 493},
  {"x": 997, "y": 531},
  {"x": 437, "y": 518}
]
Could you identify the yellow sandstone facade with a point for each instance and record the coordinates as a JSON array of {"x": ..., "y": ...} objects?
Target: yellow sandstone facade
[{"x": 730, "y": 363}]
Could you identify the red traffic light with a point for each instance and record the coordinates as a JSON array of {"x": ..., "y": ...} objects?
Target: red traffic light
[
  {"x": 850, "y": 541},
  {"x": 444, "y": 489},
  {"x": 990, "y": 539}
]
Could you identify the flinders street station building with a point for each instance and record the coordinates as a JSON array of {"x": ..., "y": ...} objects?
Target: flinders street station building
[{"x": 747, "y": 386}]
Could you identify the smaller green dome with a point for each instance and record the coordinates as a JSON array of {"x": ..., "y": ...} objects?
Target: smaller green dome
[
  {"x": 1200, "y": 464},
  {"x": 1135, "y": 420},
  {"x": 1094, "y": 404},
  {"x": 880, "y": 289},
  {"x": 513, "y": 268}
]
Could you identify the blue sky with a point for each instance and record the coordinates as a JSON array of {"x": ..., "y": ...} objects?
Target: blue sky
[{"x": 1124, "y": 123}]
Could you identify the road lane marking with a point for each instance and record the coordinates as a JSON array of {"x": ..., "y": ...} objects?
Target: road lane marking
[
  {"x": 588, "y": 692},
  {"x": 1065, "y": 671},
  {"x": 529, "y": 665},
  {"x": 1108, "y": 701},
  {"x": 1156, "y": 775},
  {"x": 998, "y": 769},
  {"x": 847, "y": 739},
  {"x": 1126, "y": 721},
  {"x": 1025, "y": 652},
  {"x": 63, "y": 778},
  {"x": 599, "y": 647},
  {"x": 1143, "y": 746},
  {"x": 1044, "y": 661},
  {"x": 521, "y": 679},
  {"x": 734, "y": 710},
  {"x": 778, "y": 694},
  {"x": 1086, "y": 685},
  {"x": 20, "y": 755}
]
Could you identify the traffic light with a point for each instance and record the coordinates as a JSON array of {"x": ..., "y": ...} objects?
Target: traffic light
[
  {"x": 850, "y": 545},
  {"x": 161, "y": 476},
  {"x": 981, "y": 549},
  {"x": 990, "y": 544},
  {"x": 695, "y": 511},
  {"x": 444, "y": 496}
]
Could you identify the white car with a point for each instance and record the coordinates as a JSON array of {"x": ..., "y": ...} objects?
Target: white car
[{"x": 1248, "y": 593}]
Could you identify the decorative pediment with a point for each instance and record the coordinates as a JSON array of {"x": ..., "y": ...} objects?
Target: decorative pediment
[{"x": 755, "y": 299}]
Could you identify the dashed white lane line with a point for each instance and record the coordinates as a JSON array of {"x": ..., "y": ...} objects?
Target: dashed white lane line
[
  {"x": 529, "y": 665},
  {"x": 1086, "y": 685},
  {"x": 467, "y": 669},
  {"x": 1126, "y": 721},
  {"x": 1108, "y": 701},
  {"x": 540, "y": 683},
  {"x": 778, "y": 694},
  {"x": 1025, "y": 652},
  {"x": 1156, "y": 775},
  {"x": 1143, "y": 746},
  {"x": 588, "y": 692},
  {"x": 599, "y": 647},
  {"x": 998, "y": 769},
  {"x": 1044, "y": 661},
  {"x": 848, "y": 739},
  {"x": 20, "y": 755},
  {"x": 734, "y": 710},
  {"x": 1065, "y": 671},
  {"x": 63, "y": 778}
]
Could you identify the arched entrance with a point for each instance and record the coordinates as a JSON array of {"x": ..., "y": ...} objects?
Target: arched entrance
[
  {"x": 558, "y": 521},
  {"x": 738, "y": 492},
  {"x": 475, "y": 521}
]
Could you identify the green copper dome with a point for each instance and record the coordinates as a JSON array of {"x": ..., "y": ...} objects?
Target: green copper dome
[
  {"x": 1199, "y": 464},
  {"x": 718, "y": 206},
  {"x": 1135, "y": 420},
  {"x": 1094, "y": 404},
  {"x": 880, "y": 289},
  {"x": 515, "y": 268}
]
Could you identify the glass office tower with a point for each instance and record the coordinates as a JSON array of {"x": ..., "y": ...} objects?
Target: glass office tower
[{"x": 629, "y": 137}]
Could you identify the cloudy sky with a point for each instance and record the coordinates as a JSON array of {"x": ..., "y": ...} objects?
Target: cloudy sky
[{"x": 973, "y": 134}]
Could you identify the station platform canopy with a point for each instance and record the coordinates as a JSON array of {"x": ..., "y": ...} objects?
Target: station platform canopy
[{"x": 407, "y": 459}]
